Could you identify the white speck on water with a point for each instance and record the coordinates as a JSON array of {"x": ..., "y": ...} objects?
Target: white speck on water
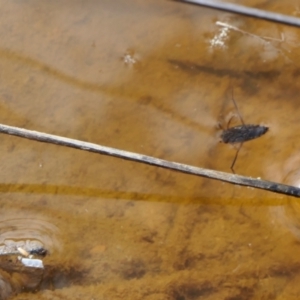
[
  {"x": 129, "y": 59},
  {"x": 218, "y": 41}
]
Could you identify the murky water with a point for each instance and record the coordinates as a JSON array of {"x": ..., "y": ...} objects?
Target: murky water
[{"x": 153, "y": 77}]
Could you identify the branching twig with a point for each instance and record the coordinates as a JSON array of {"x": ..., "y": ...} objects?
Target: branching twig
[
  {"x": 262, "y": 38},
  {"x": 227, "y": 177}
]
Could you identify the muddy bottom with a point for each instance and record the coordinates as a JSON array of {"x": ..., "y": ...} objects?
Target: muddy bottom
[{"x": 155, "y": 78}]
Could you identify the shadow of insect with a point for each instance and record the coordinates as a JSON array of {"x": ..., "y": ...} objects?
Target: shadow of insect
[{"x": 241, "y": 133}]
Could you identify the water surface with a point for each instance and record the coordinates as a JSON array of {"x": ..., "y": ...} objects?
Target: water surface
[{"x": 155, "y": 78}]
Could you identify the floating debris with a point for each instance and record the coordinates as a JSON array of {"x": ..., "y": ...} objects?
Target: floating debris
[
  {"x": 218, "y": 41},
  {"x": 25, "y": 248},
  {"x": 23, "y": 251},
  {"x": 32, "y": 263}
]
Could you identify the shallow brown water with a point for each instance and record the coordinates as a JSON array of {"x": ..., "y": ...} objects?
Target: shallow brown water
[{"x": 153, "y": 77}]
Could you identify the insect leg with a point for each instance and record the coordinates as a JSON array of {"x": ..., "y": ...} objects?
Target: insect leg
[
  {"x": 236, "y": 107},
  {"x": 235, "y": 158},
  {"x": 230, "y": 121},
  {"x": 220, "y": 126}
]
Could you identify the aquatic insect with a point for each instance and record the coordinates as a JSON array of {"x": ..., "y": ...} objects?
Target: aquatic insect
[{"x": 241, "y": 133}]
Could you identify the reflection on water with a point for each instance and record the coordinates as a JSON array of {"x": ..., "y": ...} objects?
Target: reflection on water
[{"x": 155, "y": 78}]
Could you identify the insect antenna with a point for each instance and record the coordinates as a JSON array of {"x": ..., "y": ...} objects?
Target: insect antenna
[{"x": 237, "y": 109}]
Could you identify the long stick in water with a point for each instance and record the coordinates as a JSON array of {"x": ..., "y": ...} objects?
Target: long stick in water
[
  {"x": 145, "y": 159},
  {"x": 247, "y": 11}
]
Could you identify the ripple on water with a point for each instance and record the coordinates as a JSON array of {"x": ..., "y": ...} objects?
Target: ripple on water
[
  {"x": 27, "y": 231},
  {"x": 30, "y": 232}
]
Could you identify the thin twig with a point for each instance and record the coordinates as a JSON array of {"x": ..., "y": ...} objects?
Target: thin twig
[
  {"x": 77, "y": 144},
  {"x": 247, "y": 11},
  {"x": 237, "y": 29},
  {"x": 263, "y": 38}
]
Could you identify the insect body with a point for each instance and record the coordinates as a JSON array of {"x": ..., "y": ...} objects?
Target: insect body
[{"x": 241, "y": 133}]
